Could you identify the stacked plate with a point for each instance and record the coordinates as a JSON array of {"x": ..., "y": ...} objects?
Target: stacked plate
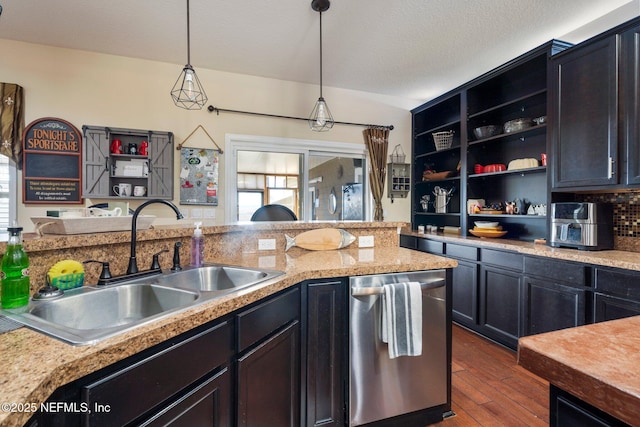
[{"x": 487, "y": 229}]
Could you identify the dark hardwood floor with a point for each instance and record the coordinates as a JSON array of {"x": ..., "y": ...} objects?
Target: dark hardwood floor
[{"x": 490, "y": 389}]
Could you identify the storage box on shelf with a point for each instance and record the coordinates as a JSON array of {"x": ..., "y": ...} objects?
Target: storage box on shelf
[
  {"x": 499, "y": 163},
  {"x": 145, "y": 159}
]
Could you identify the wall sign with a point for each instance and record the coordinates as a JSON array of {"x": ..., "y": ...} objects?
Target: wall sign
[
  {"x": 52, "y": 162},
  {"x": 199, "y": 176}
]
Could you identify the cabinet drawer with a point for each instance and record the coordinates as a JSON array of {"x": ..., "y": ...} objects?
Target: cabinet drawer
[
  {"x": 410, "y": 242},
  {"x": 431, "y": 246},
  {"x": 619, "y": 283},
  {"x": 463, "y": 252},
  {"x": 561, "y": 271},
  {"x": 501, "y": 258},
  {"x": 259, "y": 321},
  {"x": 141, "y": 386}
]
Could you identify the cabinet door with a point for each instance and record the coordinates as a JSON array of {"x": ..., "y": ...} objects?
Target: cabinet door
[
  {"x": 95, "y": 160},
  {"x": 585, "y": 116},
  {"x": 610, "y": 308},
  {"x": 161, "y": 165},
  {"x": 549, "y": 306},
  {"x": 500, "y": 302},
  {"x": 206, "y": 405},
  {"x": 465, "y": 294},
  {"x": 630, "y": 81},
  {"x": 326, "y": 338},
  {"x": 269, "y": 381}
]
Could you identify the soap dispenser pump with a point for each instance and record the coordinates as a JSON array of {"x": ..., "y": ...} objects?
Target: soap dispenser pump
[{"x": 197, "y": 246}]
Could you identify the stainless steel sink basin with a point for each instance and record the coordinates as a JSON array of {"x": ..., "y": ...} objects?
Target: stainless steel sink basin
[
  {"x": 86, "y": 315},
  {"x": 89, "y": 314},
  {"x": 220, "y": 279}
]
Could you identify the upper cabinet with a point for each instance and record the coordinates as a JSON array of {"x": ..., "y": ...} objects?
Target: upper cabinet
[
  {"x": 594, "y": 112},
  {"x": 138, "y": 161},
  {"x": 497, "y": 154}
]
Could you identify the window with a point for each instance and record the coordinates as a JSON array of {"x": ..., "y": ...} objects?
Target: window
[
  {"x": 256, "y": 190},
  {"x": 303, "y": 175},
  {"x": 8, "y": 178}
]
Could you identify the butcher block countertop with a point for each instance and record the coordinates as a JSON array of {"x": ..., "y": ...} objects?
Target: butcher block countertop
[
  {"x": 597, "y": 363},
  {"x": 33, "y": 366}
]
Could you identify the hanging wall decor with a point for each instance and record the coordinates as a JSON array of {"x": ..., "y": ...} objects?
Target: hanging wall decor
[
  {"x": 199, "y": 176},
  {"x": 52, "y": 159}
]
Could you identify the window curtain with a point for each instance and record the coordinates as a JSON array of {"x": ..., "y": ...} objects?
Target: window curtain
[
  {"x": 11, "y": 122},
  {"x": 377, "y": 142}
]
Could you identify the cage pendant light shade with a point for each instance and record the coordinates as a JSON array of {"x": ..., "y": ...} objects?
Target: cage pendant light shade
[
  {"x": 187, "y": 92},
  {"x": 320, "y": 119}
]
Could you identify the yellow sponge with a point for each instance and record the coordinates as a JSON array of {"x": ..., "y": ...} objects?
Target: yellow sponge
[{"x": 66, "y": 274}]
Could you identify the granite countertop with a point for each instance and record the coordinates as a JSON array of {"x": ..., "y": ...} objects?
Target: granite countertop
[
  {"x": 32, "y": 365},
  {"x": 597, "y": 363},
  {"x": 609, "y": 258}
]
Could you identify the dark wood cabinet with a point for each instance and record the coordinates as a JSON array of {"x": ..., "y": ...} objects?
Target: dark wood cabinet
[
  {"x": 326, "y": 343},
  {"x": 149, "y": 383},
  {"x": 185, "y": 378},
  {"x": 464, "y": 283},
  {"x": 501, "y": 296},
  {"x": 464, "y": 298},
  {"x": 566, "y": 410},
  {"x": 269, "y": 381},
  {"x": 585, "y": 116},
  {"x": 555, "y": 295},
  {"x": 595, "y": 93},
  {"x": 500, "y": 304},
  {"x": 268, "y": 364},
  {"x": 549, "y": 306},
  {"x": 630, "y": 80},
  {"x": 617, "y": 294},
  {"x": 208, "y": 404}
]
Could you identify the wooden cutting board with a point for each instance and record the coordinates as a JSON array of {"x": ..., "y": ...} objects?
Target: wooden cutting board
[{"x": 322, "y": 239}]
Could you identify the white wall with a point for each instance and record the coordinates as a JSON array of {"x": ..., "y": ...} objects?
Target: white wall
[{"x": 86, "y": 88}]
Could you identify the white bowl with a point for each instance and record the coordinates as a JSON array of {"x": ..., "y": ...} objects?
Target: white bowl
[{"x": 486, "y": 224}]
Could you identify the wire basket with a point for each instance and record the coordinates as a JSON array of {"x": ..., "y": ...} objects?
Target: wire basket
[
  {"x": 397, "y": 155},
  {"x": 443, "y": 140}
]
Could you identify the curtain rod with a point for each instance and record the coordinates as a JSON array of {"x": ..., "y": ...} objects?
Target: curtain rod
[{"x": 217, "y": 110}]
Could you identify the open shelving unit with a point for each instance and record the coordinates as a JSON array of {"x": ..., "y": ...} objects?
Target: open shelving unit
[{"x": 517, "y": 89}]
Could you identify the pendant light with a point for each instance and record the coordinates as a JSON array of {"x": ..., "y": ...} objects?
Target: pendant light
[
  {"x": 187, "y": 92},
  {"x": 320, "y": 119}
]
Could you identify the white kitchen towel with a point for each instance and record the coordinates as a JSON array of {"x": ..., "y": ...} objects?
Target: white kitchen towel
[{"x": 402, "y": 318}]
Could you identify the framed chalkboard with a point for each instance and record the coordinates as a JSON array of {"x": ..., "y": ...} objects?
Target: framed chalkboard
[{"x": 52, "y": 162}]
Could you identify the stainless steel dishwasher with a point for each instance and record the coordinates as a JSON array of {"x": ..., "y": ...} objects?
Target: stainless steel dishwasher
[{"x": 380, "y": 387}]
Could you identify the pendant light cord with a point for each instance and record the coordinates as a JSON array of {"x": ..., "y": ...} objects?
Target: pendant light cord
[
  {"x": 320, "y": 54},
  {"x": 188, "y": 37}
]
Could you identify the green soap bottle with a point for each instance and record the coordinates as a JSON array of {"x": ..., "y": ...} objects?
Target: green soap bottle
[{"x": 14, "y": 284}]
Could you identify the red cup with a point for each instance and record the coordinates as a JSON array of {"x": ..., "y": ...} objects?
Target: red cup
[
  {"x": 543, "y": 159},
  {"x": 116, "y": 146},
  {"x": 478, "y": 168}
]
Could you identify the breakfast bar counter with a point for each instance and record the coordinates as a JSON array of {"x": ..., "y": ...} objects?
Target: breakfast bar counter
[{"x": 596, "y": 363}]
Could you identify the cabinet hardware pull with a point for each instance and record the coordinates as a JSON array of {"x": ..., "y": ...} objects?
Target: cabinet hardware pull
[
  {"x": 610, "y": 168},
  {"x": 377, "y": 290}
]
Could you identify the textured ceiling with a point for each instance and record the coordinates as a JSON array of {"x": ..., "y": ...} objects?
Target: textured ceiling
[{"x": 413, "y": 49}]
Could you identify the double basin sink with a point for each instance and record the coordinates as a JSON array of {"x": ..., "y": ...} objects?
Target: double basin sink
[{"x": 89, "y": 314}]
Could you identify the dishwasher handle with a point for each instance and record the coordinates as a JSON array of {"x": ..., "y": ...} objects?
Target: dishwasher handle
[{"x": 377, "y": 290}]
